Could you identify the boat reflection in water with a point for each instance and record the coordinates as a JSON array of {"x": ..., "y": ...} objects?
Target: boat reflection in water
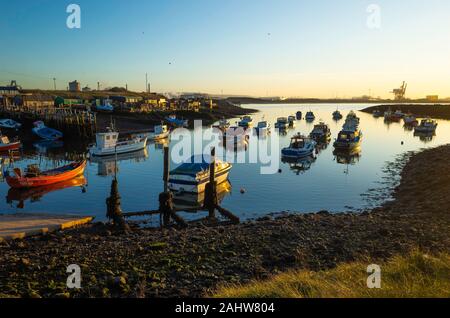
[
  {"x": 107, "y": 165},
  {"x": 299, "y": 165},
  {"x": 425, "y": 136},
  {"x": 45, "y": 145},
  {"x": 184, "y": 200},
  {"x": 160, "y": 144},
  {"x": 347, "y": 157},
  {"x": 36, "y": 194}
]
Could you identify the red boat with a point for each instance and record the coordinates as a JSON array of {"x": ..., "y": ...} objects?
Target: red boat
[
  {"x": 6, "y": 145},
  {"x": 32, "y": 177}
]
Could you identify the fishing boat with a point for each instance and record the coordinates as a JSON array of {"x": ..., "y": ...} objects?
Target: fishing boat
[
  {"x": 159, "y": 132},
  {"x": 321, "y": 132},
  {"x": 377, "y": 113},
  {"x": 33, "y": 177},
  {"x": 222, "y": 125},
  {"x": 427, "y": 126},
  {"x": 176, "y": 122},
  {"x": 389, "y": 116},
  {"x": 105, "y": 106},
  {"x": 246, "y": 122},
  {"x": 351, "y": 122},
  {"x": 410, "y": 120},
  {"x": 10, "y": 124},
  {"x": 310, "y": 116},
  {"x": 300, "y": 146},
  {"x": 299, "y": 115},
  {"x": 108, "y": 144},
  {"x": 193, "y": 175},
  {"x": 7, "y": 145},
  {"x": 263, "y": 128},
  {"x": 235, "y": 136},
  {"x": 282, "y": 123},
  {"x": 348, "y": 140},
  {"x": 45, "y": 132},
  {"x": 337, "y": 115},
  {"x": 291, "y": 121}
]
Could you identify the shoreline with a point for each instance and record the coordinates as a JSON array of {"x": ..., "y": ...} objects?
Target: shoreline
[
  {"x": 193, "y": 262},
  {"x": 436, "y": 111}
]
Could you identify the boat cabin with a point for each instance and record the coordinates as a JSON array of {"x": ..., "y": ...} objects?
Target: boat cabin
[
  {"x": 347, "y": 135},
  {"x": 107, "y": 139},
  {"x": 298, "y": 142}
]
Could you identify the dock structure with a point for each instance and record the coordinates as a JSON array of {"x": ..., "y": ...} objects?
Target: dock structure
[
  {"x": 71, "y": 121},
  {"x": 19, "y": 226}
]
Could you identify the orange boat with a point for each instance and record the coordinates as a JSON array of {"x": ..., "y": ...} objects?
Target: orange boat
[{"x": 35, "y": 178}]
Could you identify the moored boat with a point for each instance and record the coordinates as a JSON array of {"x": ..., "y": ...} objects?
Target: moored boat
[
  {"x": 45, "y": 132},
  {"x": 321, "y": 132},
  {"x": 246, "y": 122},
  {"x": 176, "y": 122},
  {"x": 300, "y": 146},
  {"x": 159, "y": 132},
  {"x": 427, "y": 126},
  {"x": 33, "y": 177},
  {"x": 105, "y": 106},
  {"x": 108, "y": 144},
  {"x": 9, "y": 124},
  {"x": 291, "y": 121},
  {"x": 377, "y": 113},
  {"x": 351, "y": 122},
  {"x": 348, "y": 140},
  {"x": 337, "y": 115},
  {"x": 7, "y": 145},
  {"x": 263, "y": 128},
  {"x": 410, "y": 120},
  {"x": 310, "y": 116},
  {"x": 299, "y": 115},
  {"x": 223, "y": 124},
  {"x": 193, "y": 175},
  {"x": 282, "y": 123}
]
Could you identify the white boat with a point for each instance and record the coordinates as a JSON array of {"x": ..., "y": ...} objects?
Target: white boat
[
  {"x": 246, "y": 122},
  {"x": 9, "y": 124},
  {"x": 282, "y": 123},
  {"x": 160, "y": 132},
  {"x": 427, "y": 126},
  {"x": 310, "y": 116},
  {"x": 193, "y": 175},
  {"x": 300, "y": 146},
  {"x": 108, "y": 144},
  {"x": 105, "y": 106}
]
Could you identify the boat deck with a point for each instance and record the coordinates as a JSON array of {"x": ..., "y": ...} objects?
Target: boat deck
[{"x": 19, "y": 226}]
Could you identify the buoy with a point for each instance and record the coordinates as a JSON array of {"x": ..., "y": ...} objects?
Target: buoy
[
  {"x": 403, "y": 143},
  {"x": 280, "y": 171},
  {"x": 242, "y": 190}
]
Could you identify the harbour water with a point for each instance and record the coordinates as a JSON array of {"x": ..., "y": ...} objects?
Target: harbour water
[{"x": 329, "y": 182}]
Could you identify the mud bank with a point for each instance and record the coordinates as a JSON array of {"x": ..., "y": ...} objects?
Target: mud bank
[{"x": 193, "y": 262}]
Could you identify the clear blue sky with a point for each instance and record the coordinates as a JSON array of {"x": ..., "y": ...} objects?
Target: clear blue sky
[{"x": 317, "y": 48}]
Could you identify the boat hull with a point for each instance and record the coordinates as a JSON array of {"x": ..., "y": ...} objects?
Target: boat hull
[
  {"x": 105, "y": 152},
  {"x": 10, "y": 146},
  {"x": 76, "y": 170},
  {"x": 190, "y": 185}
]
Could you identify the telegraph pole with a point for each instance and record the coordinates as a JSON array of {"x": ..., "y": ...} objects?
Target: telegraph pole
[{"x": 54, "y": 83}]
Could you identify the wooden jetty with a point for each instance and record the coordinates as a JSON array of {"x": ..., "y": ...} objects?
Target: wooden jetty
[
  {"x": 19, "y": 226},
  {"x": 69, "y": 120}
]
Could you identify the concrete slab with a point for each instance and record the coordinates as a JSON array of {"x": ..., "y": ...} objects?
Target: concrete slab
[{"x": 19, "y": 226}]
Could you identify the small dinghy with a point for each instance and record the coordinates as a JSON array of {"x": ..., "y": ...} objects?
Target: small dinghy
[
  {"x": 7, "y": 145},
  {"x": 263, "y": 128},
  {"x": 246, "y": 122},
  {"x": 410, "y": 120},
  {"x": 337, "y": 115},
  {"x": 291, "y": 121},
  {"x": 108, "y": 144},
  {"x": 10, "y": 124},
  {"x": 45, "y": 132},
  {"x": 282, "y": 123},
  {"x": 300, "y": 146},
  {"x": 33, "y": 177},
  {"x": 299, "y": 115},
  {"x": 193, "y": 175}
]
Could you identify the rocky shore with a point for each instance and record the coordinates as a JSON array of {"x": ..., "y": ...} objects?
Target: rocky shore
[
  {"x": 437, "y": 111},
  {"x": 194, "y": 261}
]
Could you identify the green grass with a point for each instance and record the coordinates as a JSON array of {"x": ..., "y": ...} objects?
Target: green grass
[{"x": 415, "y": 275}]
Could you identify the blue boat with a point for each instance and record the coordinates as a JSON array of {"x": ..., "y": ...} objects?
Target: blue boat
[
  {"x": 105, "y": 107},
  {"x": 45, "y": 132},
  {"x": 300, "y": 147},
  {"x": 174, "y": 121}
]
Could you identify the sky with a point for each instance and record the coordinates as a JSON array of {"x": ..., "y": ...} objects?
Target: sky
[{"x": 290, "y": 48}]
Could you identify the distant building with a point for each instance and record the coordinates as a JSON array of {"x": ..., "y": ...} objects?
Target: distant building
[
  {"x": 9, "y": 91},
  {"x": 74, "y": 86},
  {"x": 433, "y": 98},
  {"x": 35, "y": 101},
  {"x": 86, "y": 89}
]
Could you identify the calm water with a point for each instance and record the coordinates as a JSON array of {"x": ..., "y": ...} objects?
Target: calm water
[{"x": 329, "y": 183}]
